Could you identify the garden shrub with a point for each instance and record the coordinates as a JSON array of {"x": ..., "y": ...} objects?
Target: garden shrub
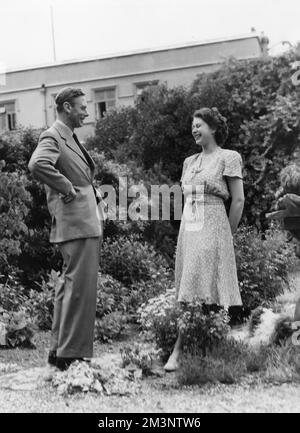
[
  {"x": 38, "y": 257},
  {"x": 41, "y": 301},
  {"x": 140, "y": 292},
  {"x": 263, "y": 262},
  {"x": 161, "y": 318},
  {"x": 14, "y": 201},
  {"x": 111, "y": 295},
  {"x": 16, "y": 329},
  {"x": 158, "y": 319},
  {"x": 113, "y": 132},
  {"x": 201, "y": 328},
  {"x": 139, "y": 356},
  {"x": 112, "y": 308},
  {"x": 110, "y": 327},
  {"x": 16, "y": 148},
  {"x": 12, "y": 294},
  {"x": 29, "y": 240},
  {"x": 130, "y": 260}
]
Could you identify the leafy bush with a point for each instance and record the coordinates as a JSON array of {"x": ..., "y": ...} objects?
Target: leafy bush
[
  {"x": 156, "y": 130},
  {"x": 38, "y": 257},
  {"x": 140, "y": 356},
  {"x": 161, "y": 318},
  {"x": 200, "y": 328},
  {"x": 140, "y": 292},
  {"x": 111, "y": 295},
  {"x": 16, "y": 148},
  {"x": 27, "y": 223},
  {"x": 12, "y": 294},
  {"x": 262, "y": 265},
  {"x": 110, "y": 326},
  {"x": 41, "y": 302},
  {"x": 14, "y": 200},
  {"x": 130, "y": 260},
  {"x": 158, "y": 319},
  {"x": 16, "y": 329},
  {"x": 113, "y": 132}
]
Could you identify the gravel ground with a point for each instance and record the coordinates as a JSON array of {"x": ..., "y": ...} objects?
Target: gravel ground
[
  {"x": 207, "y": 399},
  {"x": 156, "y": 395}
]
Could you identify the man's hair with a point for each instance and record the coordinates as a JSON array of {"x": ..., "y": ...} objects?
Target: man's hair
[{"x": 67, "y": 94}]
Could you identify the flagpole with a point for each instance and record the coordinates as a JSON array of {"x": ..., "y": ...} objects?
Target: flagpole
[{"x": 52, "y": 32}]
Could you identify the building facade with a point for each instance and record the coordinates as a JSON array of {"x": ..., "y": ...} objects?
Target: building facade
[{"x": 27, "y": 95}]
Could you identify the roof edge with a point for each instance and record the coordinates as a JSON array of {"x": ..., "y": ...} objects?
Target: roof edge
[{"x": 135, "y": 52}]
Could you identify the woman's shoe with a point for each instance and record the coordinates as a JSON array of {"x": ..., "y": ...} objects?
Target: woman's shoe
[{"x": 171, "y": 365}]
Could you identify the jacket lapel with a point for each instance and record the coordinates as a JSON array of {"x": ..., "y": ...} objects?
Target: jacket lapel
[{"x": 67, "y": 136}]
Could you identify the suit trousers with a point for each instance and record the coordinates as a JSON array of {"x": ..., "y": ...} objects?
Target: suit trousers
[{"x": 75, "y": 299}]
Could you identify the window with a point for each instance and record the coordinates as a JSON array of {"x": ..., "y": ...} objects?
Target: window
[
  {"x": 105, "y": 99},
  {"x": 8, "y": 116},
  {"x": 139, "y": 87}
]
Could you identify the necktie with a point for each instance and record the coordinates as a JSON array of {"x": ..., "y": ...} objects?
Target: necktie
[
  {"x": 83, "y": 151},
  {"x": 77, "y": 141},
  {"x": 87, "y": 157}
]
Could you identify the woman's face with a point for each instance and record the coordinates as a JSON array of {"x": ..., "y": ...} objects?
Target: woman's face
[{"x": 202, "y": 133}]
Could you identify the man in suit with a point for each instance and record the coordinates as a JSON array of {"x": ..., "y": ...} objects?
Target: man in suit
[{"x": 62, "y": 163}]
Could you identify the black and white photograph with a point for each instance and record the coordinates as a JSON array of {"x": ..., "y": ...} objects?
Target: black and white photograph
[{"x": 149, "y": 210}]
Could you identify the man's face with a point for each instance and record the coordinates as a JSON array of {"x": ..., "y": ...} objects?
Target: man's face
[{"x": 77, "y": 112}]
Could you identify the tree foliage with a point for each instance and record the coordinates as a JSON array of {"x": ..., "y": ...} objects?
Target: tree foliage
[{"x": 262, "y": 107}]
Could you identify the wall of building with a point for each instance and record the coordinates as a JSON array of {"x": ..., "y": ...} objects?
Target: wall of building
[{"x": 34, "y": 89}]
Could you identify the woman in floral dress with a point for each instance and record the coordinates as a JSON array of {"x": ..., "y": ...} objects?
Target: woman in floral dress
[{"x": 205, "y": 267}]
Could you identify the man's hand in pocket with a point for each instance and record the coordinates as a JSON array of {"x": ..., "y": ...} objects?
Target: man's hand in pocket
[{"x": 70, "y": 196}]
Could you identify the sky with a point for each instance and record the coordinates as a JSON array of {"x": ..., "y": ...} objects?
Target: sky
[{"x": 91, "y": 28}]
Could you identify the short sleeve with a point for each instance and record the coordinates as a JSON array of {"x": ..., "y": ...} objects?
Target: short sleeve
[{"x": 233, "y": 165}]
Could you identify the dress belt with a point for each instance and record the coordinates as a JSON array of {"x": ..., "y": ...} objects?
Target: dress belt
[{"x": 205, "y": 198}]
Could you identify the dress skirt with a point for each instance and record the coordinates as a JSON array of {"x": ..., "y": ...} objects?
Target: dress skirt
[{"x": 205, "y": 266}]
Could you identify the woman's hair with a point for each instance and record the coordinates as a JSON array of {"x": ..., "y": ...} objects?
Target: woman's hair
[{"x": 216, "y": 121}]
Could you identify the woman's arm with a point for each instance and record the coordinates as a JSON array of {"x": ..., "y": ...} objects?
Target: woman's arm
[{"x": 236, "y": 189}]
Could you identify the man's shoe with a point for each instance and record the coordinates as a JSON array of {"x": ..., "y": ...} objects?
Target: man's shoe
[
  {"x": 64, "y": 363},
  {"x": 52, "y": 357}
]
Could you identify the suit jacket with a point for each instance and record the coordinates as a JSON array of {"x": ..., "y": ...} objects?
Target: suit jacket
[{"x": 60, "y": 163}]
